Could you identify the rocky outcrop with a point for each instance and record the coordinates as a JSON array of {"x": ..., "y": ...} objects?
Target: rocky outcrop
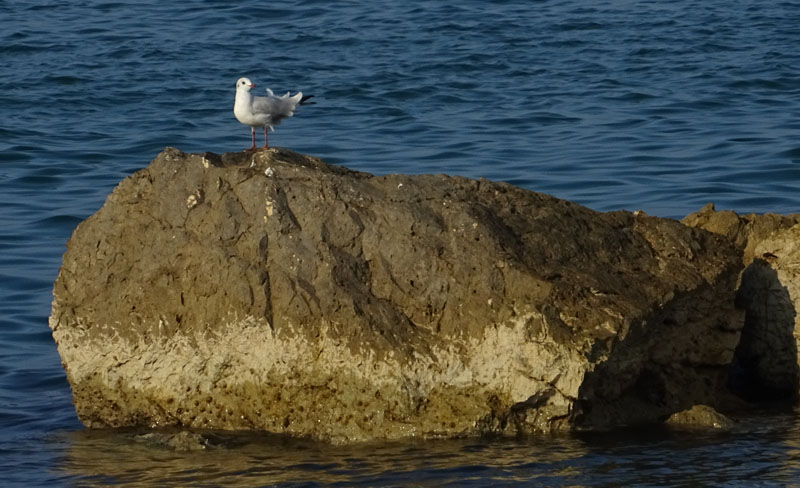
[
  {"x": 765, "y": 367},
  {"x": 699, "y": 417},
  {"x": 272, "y": 291},
  {"x": 745, "y": 231}
]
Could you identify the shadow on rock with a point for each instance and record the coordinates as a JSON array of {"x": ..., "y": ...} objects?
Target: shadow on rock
[
  {"x": 765, "y": 363},
  {"x": 675, "y": 357}
]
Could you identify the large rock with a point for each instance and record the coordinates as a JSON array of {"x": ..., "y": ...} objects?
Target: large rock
[
  {"x": 766, "y": 365},
  {"x": 272, "y": 291}
]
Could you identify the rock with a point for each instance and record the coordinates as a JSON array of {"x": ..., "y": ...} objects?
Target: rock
[
  {"x": 700, "y": 416},
  {"x": 745, "y": 231},
  {"x": 765, "y": 368},
  {"x": 180, "y": 441},
  {"x": 271, "y": 291}
]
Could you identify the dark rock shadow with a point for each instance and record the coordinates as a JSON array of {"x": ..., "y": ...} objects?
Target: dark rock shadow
[
  {"x": 765, "y": 367},
  {"x": 669, "y": 361},
  {"x": 639, "y": 384}
]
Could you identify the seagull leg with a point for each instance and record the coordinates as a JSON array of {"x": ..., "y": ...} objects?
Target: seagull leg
[
  {"x": 253, "y": 138},
  {"x": 266, "y": 145}
]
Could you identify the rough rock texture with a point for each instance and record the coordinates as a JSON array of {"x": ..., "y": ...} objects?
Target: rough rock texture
[
  {"x": 699, "y": 417},
  {"x": 180, "y": 441},
  {"x": 272, "y": 291},
  {"x": 766, "y": 365},
  {"x": 745, "y": 231}
]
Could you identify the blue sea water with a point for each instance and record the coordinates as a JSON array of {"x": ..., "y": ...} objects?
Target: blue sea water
[{"x": 616, "y": 104}]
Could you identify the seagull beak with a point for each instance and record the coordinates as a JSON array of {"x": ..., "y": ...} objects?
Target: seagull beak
[{"x": 252, "y": 85}]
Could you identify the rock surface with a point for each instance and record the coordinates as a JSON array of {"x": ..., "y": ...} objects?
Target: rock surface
[
  {"x": 744, "y": 231},
  {"x": 766, "y": 365},
  {"x": 700, "y": 416},
  {"x": 180, "y": 441},
  {"x": 271, "y": 291}
]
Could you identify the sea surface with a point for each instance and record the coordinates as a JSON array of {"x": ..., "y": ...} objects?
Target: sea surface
[{"x": 637, "y": 105}]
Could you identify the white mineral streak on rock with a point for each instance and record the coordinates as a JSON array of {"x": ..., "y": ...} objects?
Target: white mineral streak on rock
[{"x": 182, "y": 368}]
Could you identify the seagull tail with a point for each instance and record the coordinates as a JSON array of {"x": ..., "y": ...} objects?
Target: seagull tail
[{"x": 304, "y": 100}]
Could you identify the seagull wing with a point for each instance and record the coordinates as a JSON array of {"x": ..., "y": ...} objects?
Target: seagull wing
[{"x": 277, "y": 108}]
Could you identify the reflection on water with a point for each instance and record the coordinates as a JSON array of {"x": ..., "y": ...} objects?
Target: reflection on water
[{"x": 761, "y": 449}]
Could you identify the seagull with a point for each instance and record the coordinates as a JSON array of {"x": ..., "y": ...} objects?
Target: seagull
[{"x": 266, "y": 112}]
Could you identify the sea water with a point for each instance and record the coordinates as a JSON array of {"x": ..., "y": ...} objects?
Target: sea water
[{"x": 616, "y": 104}]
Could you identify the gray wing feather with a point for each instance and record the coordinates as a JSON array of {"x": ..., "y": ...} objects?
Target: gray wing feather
[{"x": 276, "y": 107}]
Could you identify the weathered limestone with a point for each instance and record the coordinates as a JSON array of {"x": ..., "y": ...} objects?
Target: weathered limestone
[
  {"x": 272, "y": 291},
  {"x": 766, "y": 362}
]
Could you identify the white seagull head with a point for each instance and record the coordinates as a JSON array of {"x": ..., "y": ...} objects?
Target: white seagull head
[{"x": 244, "y": 84}]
